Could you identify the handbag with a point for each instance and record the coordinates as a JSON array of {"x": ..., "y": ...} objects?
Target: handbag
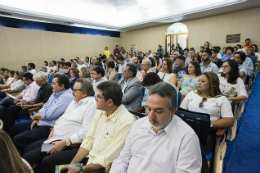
[{"x": 199, "y": 122}]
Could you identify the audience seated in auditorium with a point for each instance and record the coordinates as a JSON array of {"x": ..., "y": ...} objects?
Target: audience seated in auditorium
[
  {"x": 251, "y": 54},
  {"x": 131, "y": 88},
  {"x": 81, "y": 64},
  {"x": 112, "y": 120},
  {"x": 107, "y": 52},
  {"x": 208, "y": 99},
  {"x": 9, "y": 80},
  {"x": 182, "y": 69},
  {"x": 116, "y": 50},
  {"x": 187, "y": 56},
  {"x": 192, "y": 54},
  {"x": 224, "y": 51},
  {"x": 10, "y": 161},
  {"x": 21, "y": 111},
  {"x": 189, "y": 82},
  {"x": 45, "y": 64},
  {"x": 149, "y": 80},
  {"x": 218, "y": 54},
  {"x": 28, "y": 132},
  {"x": 248, "y": 62},
  {"x": 248, "y": 44},
  {"x": 154, "y": 141},
  {"x": 74, "y": 73},
  {"x": 67, "y": 67},
  {"x": 178, "y": 48},
  {"x": 158, "y": 65},
  {"x": 229, "y": 54},
  {"x": 62, "y": 69},
  {"x": 153, "y": 67},
  {"x": 230, "y": 84},
  {"x": 24, "y": 69},
  {"x": 70, "y": 129},
  {"x": 92, "y": 63},
  {"x": 98, "y": 75},
  {"x": 207, "y": 65},
  {"x": 27, "y": 95},
  {"x": 122, "y": 64},
  {"x": 243, "y": 69},
  {"x": 111, "y": 71},
  {"x": 53, "y": 67},
  {"x": 138, "y": 61},
  {"x": 146, "y": 65},
  {"x": 17, "y": 84},
  {"x": 166, "y": 74},
  {"x": 87, "y": 61},
  {"x": 215, "y": 59},
  {"x": 254, "y": 46},
  {"x": 31, "y": 68},
  {"x": 197, "y": 58},
  {"x": 206, "y": 45},
  {"x": 84, "y": 73}
]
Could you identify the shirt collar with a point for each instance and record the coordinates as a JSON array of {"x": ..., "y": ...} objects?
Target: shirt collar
[
  {"x": 115, "y": 115},
  {"x": 84, "y": 100},
  {"x": 56, "y": 95},
  {"x": 168, "y": 129}
]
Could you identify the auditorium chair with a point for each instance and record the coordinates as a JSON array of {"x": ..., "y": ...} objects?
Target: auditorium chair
[
  {"x": 32, "y": 112},
  {"x": 120, "y": 75},
  {"x": 1, "y": 124},
  {"x": 28, "y": 165},
  {"x": 50, "y": 79},
  {"x": 237, "y": 113}
]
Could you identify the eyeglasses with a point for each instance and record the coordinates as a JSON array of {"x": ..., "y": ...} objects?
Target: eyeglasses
[
  {"x": 201, "y": 104},
  {"x": 143, "y": 64},
  {"x": 225, "y": 66},
  {"x": 74, "y": 90},
  {"x": 99, "y": 97}
]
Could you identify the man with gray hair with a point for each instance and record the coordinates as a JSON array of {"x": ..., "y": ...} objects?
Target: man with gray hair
[
  {"x": 93, "y": 60},
  {"x": 21, "y": 111},
  {"x": 160, "y": 142},
  {"x": 70, "y": 129},
  {"x": 146, "y": 65}
]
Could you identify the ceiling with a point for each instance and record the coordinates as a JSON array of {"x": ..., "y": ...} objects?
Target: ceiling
[{"x": 119, "y": 15}]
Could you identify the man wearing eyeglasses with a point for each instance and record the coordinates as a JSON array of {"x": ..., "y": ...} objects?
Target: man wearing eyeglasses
[
  {"x": 107, "y": 133},
  {"x": 146, "y": 65},
  {"x": 69, "y": 130}
]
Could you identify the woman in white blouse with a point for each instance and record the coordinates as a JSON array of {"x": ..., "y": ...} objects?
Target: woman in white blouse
[
  {"x": 8, "y": 82},
  {"x": 230, "y": 84},
  {"x": 166, "y": 73},
  {"x": 16, "y": 85},
  {"x": 208, "y": 99}
]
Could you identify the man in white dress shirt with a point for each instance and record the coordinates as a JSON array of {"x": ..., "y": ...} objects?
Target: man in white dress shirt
[
  {"x": 70, "y": 129},
  {"x": 160, "y": 142}
]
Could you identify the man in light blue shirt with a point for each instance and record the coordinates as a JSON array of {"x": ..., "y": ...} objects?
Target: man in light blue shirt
[
  {"x": 28, "y": 132},
  {"x": 229, "y": 54},
  {"x": 207, "y": 65},
  {"x": 240, "y": 57}
]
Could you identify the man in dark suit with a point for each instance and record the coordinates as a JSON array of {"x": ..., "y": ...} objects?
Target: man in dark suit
[{"x": 131, "y": 88}]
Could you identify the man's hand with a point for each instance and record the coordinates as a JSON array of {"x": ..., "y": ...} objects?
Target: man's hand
[
  {"x": 51, "y": 133},
  {"x": 16, "y": 100},
  {"x": 35, "y": 116},
  {"x": 35, "y": 122},
  {"x": 72, "y": 169},
  {"x": 2, "y": 91},
  {"x": 58, "y": 146},
  {"x": 25, "y": 107}
]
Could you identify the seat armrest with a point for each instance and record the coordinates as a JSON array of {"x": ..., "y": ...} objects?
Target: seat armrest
[
  {"x": 5, "y": 87},
  {"x": 75, "y": 146},
  {"x": 34, "y": 109},
  {"x": 139, "y": 109},
  {"x": 14, "y": 91},
  {"x": 220, "y": 132},
  {"x": 237, "y": 102}
]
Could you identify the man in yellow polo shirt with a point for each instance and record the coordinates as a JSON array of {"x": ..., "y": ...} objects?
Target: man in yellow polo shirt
[
  {"x": 107, "y": 133},
  {"x": 107, "y": 52}
]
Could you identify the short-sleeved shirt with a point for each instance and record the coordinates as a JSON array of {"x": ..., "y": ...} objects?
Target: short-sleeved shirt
[
  {"x": 210, "y": 68},
  {"x": 189, "y": 84},
  {"x": 218, "y": 62},
  {"x": 216, "y": 107},
  {"x": 181, "y": 71},
  {"x": 165, "y": 77},
  {"x": 232, "y": 90}
]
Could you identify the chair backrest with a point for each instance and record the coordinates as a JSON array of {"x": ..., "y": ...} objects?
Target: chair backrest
[
  {"x": 179, "y": 98},
  {"x": 120, "y": 75},
  {"x": 51, "y": 78},
  {"x": 137, "y": 114},
  {"x": 157, "y": 70},
  {"x": 143, "y": 90},
  {"x": 28, "y": 165}
]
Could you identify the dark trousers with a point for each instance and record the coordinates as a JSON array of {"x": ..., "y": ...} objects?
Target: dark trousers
[
  {"x": 205, "y": 149},
  {"x": 8, "y": 101},
  {"x": 23, "y": 135},
  {"x": 2, "y": 94},
  {"x": 14, "y": 112}
]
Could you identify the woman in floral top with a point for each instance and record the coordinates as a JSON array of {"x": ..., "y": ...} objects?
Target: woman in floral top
[{"x": 190, "y": 82}]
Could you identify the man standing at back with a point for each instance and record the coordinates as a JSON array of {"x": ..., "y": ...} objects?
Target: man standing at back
[
  {"x": 116, "y": 50},
  {"x": 107, "y": 132},
  {"x": 160, "y": 51},
  {"x": 107, "y": 52},
  {"x": 160, "y": 142}
]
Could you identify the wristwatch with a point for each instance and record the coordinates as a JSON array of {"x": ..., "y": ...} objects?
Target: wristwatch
[
  {"x": 68, "y": 143},
  {"x": 81, "y": 169},
  {"x": 211, "y": 125}
]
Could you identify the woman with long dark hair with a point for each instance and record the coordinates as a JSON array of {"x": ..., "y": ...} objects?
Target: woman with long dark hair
[{"x": 230, "y": 84}]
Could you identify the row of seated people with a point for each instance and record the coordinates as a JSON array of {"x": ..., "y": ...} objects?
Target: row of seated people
[{"x": 24, "y": 134}]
